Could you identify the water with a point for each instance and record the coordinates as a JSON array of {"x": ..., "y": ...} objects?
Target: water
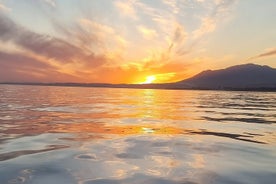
[{"x": 72, "y": 135}]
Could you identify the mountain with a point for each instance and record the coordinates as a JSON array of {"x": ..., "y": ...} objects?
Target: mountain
[{"x": 247, "y": 76}]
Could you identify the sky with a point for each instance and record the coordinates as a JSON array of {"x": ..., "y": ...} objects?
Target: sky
[{"x": 131, "y": 41}]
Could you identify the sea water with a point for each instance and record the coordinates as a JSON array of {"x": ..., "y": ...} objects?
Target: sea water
[{"x": 64, "y": 135}]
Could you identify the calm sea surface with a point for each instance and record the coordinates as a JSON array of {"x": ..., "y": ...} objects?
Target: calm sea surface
[{"x": 64, "y": 135}]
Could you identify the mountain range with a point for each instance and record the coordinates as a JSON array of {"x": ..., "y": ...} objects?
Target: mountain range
[{"x": 240, "y": 77}]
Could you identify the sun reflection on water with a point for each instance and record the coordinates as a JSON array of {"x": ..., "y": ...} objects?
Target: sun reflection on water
[{"x": 90, "y": 136}]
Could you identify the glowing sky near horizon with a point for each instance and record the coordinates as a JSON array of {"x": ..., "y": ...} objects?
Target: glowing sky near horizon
[{"x": 127, "y": 41}]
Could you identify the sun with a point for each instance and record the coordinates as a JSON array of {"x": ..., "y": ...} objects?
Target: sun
[{"x": 149, "y": 79}]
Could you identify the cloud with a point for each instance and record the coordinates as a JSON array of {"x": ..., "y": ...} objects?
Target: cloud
[
  {"x": 47, "y": 46},
  {"x": 93, "y": 33},
  {"x": 51, "y": 3},
  {"x": 270, "y": 52},
  {"x": 92, "y": 36},
  {"x": 17, "y": 67},
  {"x": 173, "y": 5},
  {"x": 126, "y": 8},
  {"x": 209, "y": 23},
  {"x": 159, "y": 27},
  {"x": 178, "y": 39},
  {"x": 179, "y": 33},
  {"x": 146, "y": 37},
  {"x": 45, "y": 58},
  {"x": 168, "y": 25},
  {"x": 4, "y": 8},
  {"x": 147, "y": 32}
]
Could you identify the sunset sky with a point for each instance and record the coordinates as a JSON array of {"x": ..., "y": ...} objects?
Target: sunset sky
[{"x": 131, "y": 41}]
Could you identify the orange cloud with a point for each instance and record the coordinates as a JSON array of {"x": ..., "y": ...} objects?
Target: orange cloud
[
  {"x": 147, "y": 32},
  {"x": 126, "y": 8},
  {"x": 150, "y": 41}
]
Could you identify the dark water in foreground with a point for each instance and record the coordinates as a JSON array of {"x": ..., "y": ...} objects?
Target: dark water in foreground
[{"x": 62, "y": 135}]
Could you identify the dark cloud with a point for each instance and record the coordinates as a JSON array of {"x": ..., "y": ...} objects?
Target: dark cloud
[
  {"x": 7, "y": 28},
  {"x": 270, "y": 53},
  {"x": 44, "y": 45},
  {"x": 40, "y": 44},
  {"x": 20, "y": 68},
  {"x": 265, "y": 54},
  {"x": 179, "y": 34},
  {"x": 48, "y": 46},
  {"x": 18, "y": 60},
  {"x": 178, "y": 38}
]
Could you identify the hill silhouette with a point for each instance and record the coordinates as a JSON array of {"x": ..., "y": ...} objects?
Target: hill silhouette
[{"x": 247, "y": 76}]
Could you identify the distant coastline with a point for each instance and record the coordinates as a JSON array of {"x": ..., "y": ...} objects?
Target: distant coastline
[
  {"x": 165, "y": 86},
  {"x": 246, "y": 77}
]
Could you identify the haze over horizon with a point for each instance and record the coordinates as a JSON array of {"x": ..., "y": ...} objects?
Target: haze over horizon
[{"x": 131, "y": 41}]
